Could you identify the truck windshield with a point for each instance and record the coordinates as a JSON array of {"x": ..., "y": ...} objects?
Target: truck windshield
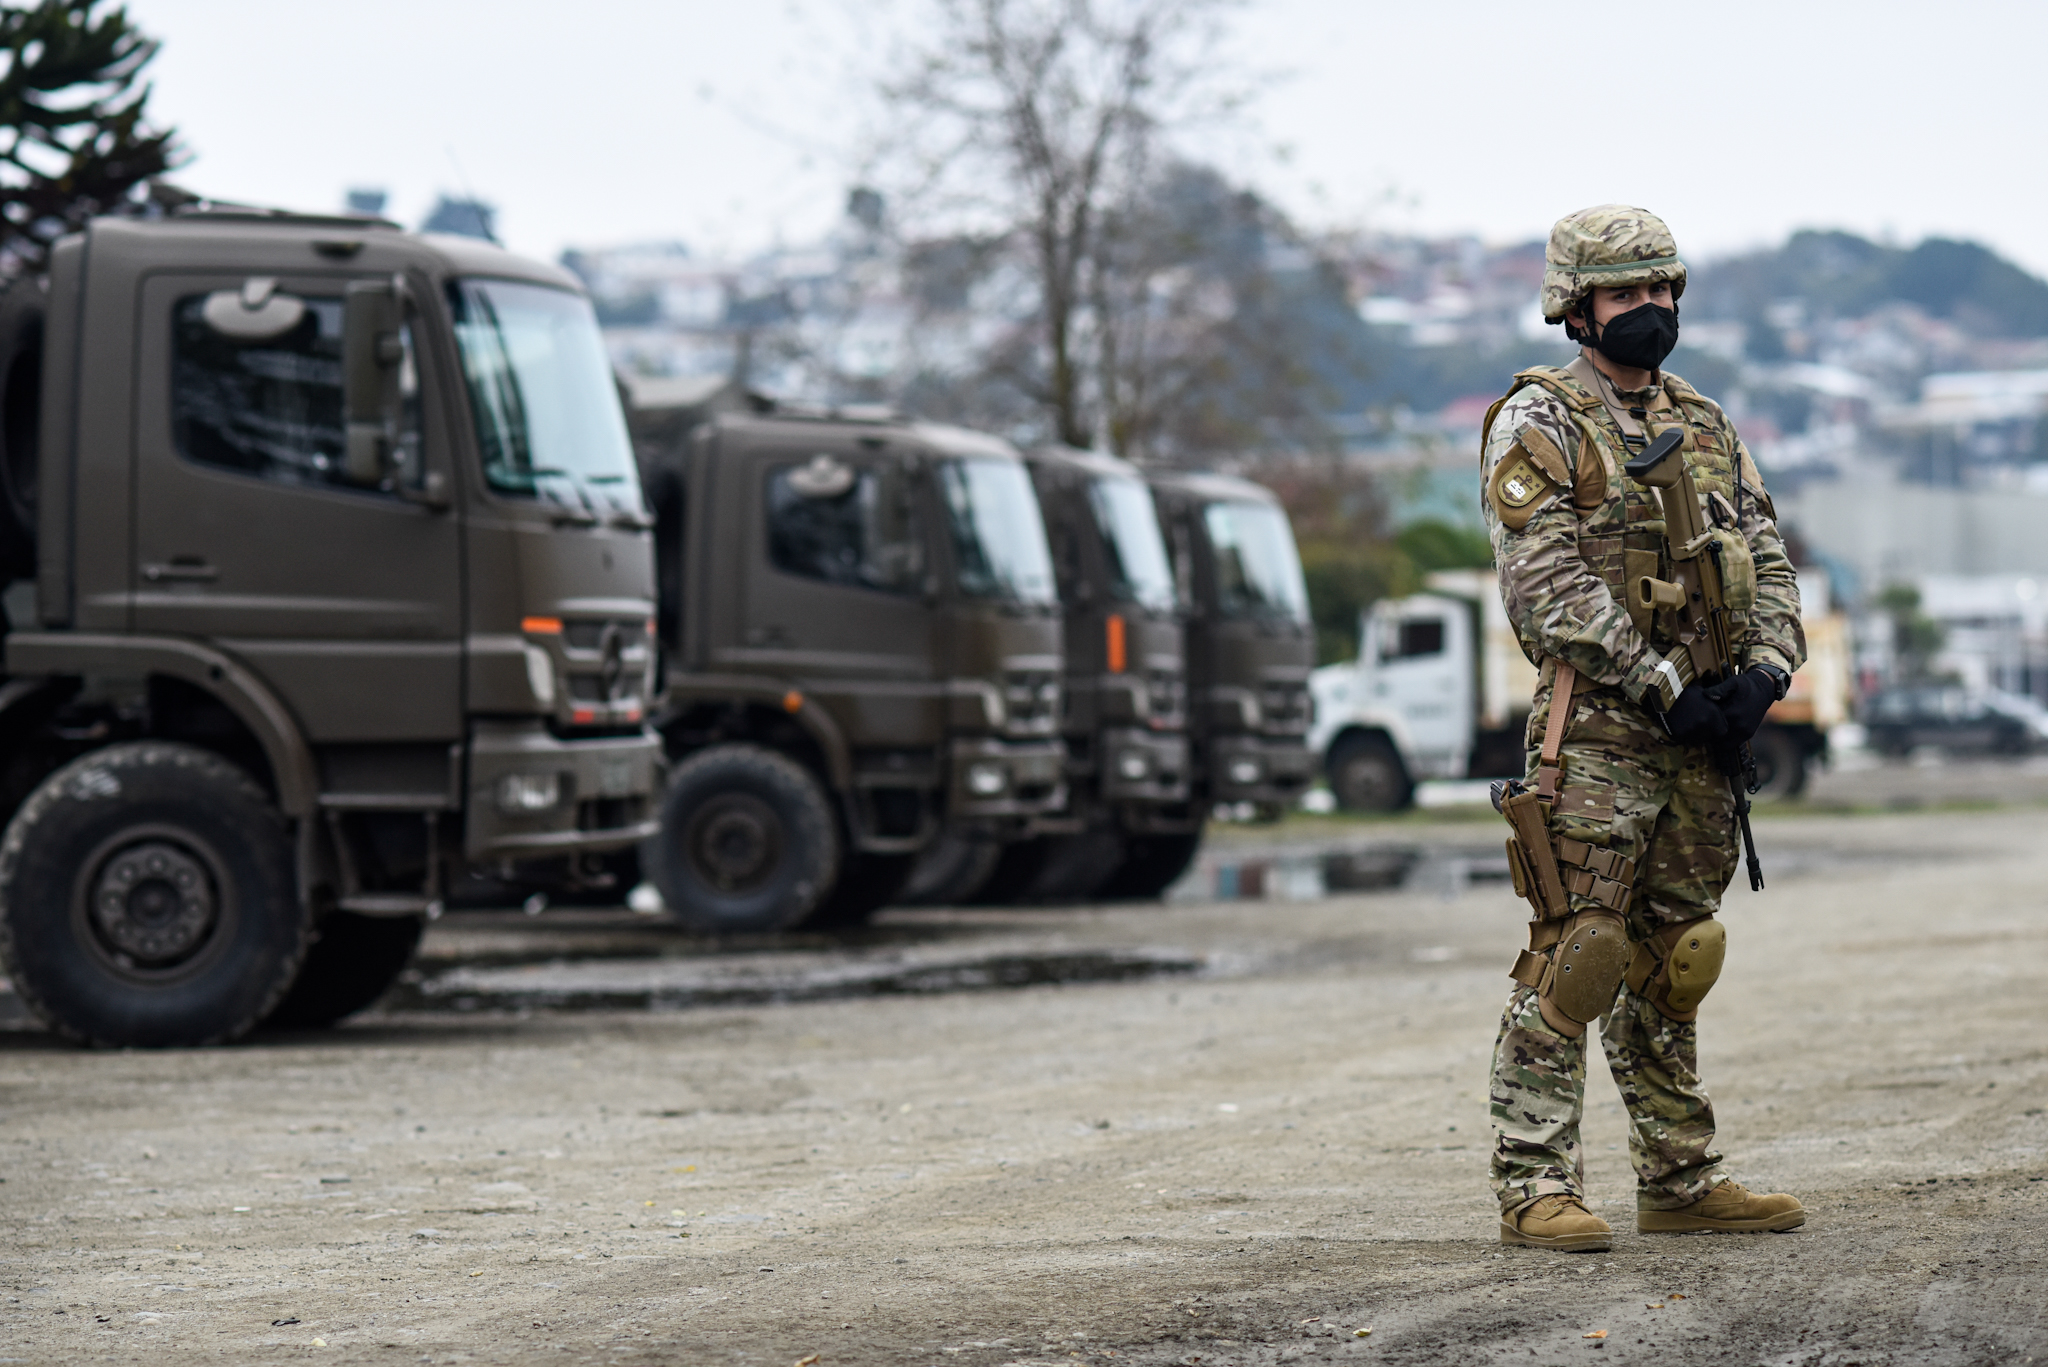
[
  {"x": 999, "y": 546},
  {"x": 1130, "y": 533},
  {"x": 1258, "y": 573},
  {"x": 540, "y": 385}
]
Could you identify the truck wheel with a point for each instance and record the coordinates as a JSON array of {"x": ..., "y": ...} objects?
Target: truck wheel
[
  {"x": 353, "y": 961},
  {"x": 1366, "y": 775},
  {"x": 867, "y": 883},
  {"x": 747, "y": 842},
  {"x": 1076, "y": 865},
  {"x": 950, "y": 871},
  {"x": 1780, "y": 764},
  {"x": 147, "y": 898},
  {"x": 1152, "y": 864},
  {"x": 1017, "y": 868}
]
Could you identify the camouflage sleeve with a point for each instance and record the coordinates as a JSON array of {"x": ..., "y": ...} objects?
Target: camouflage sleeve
[
  {"x": 1773, "y": 634},
  {"x": 1553, "y": 597}
]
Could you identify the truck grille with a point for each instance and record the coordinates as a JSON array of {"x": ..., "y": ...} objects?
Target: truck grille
[
  {"x": 1284, "y": 708},
  {"x": 1031, "y": 699},
  {"x": 1166, "y": 697},
  {"x": 604, "y": 665}
]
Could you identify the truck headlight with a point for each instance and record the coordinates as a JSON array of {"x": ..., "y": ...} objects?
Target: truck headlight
[
  {"x": 1133, "y": 765},
  {"x": 540, "y": 675},
  {"x": 1244, "y": 771},
  {"x": 528, "y": 793},
  {"x": 987, "y": 778}
]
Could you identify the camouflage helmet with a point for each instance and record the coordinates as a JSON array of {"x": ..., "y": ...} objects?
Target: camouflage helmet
[{"x": 1608, "y": 244}]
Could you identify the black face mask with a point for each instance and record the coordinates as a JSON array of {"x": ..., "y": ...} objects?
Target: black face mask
[{"x": 1640, "y": 338}]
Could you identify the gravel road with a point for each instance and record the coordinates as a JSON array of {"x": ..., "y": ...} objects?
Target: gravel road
[{"x": 1259, "y": 1137}]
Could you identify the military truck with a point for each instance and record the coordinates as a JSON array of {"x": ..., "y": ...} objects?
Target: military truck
[
  {"x": 1126, "y": 690},
  {"x": 329, "y": 585},
  {"x": 862, "y": 646},
  {"x": 1250, "y": 648}
]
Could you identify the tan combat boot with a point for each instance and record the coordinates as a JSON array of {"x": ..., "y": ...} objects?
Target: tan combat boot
[
  {"x": 1558, "y": 1221},
  {"x": 1730, "y": 1206}
]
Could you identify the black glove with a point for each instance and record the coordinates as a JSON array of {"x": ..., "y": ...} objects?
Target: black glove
[
  {"x": 1694, "y": 719},
  {"x": 1743, "y": 699}
]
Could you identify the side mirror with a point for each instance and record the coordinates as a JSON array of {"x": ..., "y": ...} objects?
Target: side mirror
[{"x": 372, "y": 351}]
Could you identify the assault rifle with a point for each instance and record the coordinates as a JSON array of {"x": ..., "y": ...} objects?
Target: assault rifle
[{"x": 1697, "y": 598}]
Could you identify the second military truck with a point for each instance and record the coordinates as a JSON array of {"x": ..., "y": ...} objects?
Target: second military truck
[{"x": 862, "y": 647}]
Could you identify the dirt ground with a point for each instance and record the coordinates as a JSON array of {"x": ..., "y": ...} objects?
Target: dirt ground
[{"x": 1277, "y": 1156}]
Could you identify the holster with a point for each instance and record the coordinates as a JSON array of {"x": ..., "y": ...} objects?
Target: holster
[{"x": 1547, "y": 870}]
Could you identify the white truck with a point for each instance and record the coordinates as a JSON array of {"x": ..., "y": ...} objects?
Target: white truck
[{"x": 1441, "y": 690}]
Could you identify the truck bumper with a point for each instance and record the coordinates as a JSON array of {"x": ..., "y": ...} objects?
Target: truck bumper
[
  {"x": 999, "y": 780},
  {"x": 1142, "y": 766},
  {"x": 606, "y": 789},
  {"x": 1259, "y": 769}
]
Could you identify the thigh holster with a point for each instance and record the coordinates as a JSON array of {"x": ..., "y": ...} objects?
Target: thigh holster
[
  {"x": 1575, "y": 959},
  {"x": 1674, "y": 969}
]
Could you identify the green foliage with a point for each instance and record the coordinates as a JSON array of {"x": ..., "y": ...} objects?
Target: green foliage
[
  {"x": 1916, "y": 637},
  {"x": 1344, "y": 579},
  {"x": 74, "y": 139},
  {"x": 1433, "y": 545}
]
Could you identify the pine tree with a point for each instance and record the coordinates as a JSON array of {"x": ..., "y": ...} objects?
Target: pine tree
[{"x": 74, "y": 137}]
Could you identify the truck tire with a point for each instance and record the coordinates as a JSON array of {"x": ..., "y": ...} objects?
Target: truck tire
[
  {"x": 1076, "y": 865},
  {"x": 950, "y": 871},
  {"x": 1152, "y": 864},
  {"x": 1017, "y": 867},
  {"x": 21, "y": 371},
  {"x": 353, "y": 961},
  {"x": 1366, "y": 775},
  {"x": 867, "y": 883},
  {"x": 147, "y": 898},
  {"x": 748, "y": 844}
]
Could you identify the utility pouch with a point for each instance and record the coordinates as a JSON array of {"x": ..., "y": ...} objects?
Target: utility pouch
[{"x": 1738, "y": 570}]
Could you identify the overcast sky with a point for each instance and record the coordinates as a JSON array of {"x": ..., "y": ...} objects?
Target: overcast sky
[{"x": 728, "y": 126}]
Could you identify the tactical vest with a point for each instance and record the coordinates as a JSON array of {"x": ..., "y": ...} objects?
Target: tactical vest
[{"x": 1621, "y": 524}]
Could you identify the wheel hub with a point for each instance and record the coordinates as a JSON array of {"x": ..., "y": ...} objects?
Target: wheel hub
[
  {"x": 154, "y": 903},
  {"x": 736, "y": 844}
]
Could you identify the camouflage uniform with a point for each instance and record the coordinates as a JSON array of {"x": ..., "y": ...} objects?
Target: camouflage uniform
[{"x": 1578, "y": 528}]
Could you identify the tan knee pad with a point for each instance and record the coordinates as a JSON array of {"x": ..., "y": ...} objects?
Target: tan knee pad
[
  {"x": 1674, "y": 969},
  {"x": 1585, "y": 971}
]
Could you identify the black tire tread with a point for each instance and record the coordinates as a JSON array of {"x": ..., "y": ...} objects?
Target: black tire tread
[
  {"x": 137, "y": 755},
  {"x": 772, "y": 769}
]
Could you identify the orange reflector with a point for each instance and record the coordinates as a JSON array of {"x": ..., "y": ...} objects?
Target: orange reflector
[
  {"x": 583, "y": 716},
  {"x": 1116, "y": 643},
  {"x": 542, "y": 626},
  {"x": 792, "y": 701}
]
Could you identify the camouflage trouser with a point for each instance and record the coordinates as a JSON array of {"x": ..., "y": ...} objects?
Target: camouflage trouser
[{"x": 1625, "y": 787}]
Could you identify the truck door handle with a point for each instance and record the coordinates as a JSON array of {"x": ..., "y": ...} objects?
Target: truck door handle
[{"x": 190, "y": 571}]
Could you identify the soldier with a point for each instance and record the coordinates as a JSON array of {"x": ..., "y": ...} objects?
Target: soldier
[{"x": 1639, "y": 818}]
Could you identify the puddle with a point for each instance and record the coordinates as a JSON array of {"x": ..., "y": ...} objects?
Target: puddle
[
  {"x": 763, "y": 979},
  {"x": 1304, "y": 875}
]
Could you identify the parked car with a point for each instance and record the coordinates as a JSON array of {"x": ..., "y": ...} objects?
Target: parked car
[{"x": 1983, "y": 721}]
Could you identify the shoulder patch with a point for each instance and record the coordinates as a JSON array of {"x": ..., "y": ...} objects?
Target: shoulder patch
[
  {"x": 1518, "y": 486},
  {"x": 1537, "y": 445}
]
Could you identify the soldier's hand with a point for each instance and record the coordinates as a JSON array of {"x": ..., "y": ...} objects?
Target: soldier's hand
[
  {"x": 1743, "y": 699},
  {"x": 1694, "y": 719}
]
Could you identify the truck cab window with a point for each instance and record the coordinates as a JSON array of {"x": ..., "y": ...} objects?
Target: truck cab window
[
  {"x": 1414, "y": 637},
  {"x": 272, "y": 407},
  {"x": 858, "y": 527}
]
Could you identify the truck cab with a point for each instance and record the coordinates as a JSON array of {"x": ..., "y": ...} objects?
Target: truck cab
[
  {"x": 1250, "y": 646},
  {"x": 332, "y": 588},
  {"x": 1125, "y": 722},
  {"x": 862, "y": 644}
]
